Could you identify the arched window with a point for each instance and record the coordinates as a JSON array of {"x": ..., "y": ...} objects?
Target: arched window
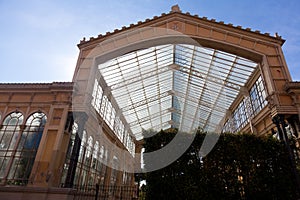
[
  {"x": 8, "y": 139},
  {"x": 114, "y": 172},
  {"x": 95, "y": 155},
  {"x": 72, "y": 140},
  {"x": 74, "y": 132},
  {"x": 21, "y": 152},
  {"x": 80, "y": 173},
  {"x": 82, "y": 147},
  {"x": 89, "y": 147}
]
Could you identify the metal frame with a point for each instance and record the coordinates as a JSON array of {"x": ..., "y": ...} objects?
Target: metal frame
[{"x": 205, "y": 82}]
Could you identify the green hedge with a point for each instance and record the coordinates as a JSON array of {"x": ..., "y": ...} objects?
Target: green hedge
[{"x": 240, "y": 166}]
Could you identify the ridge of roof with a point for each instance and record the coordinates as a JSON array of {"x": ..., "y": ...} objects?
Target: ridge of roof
[{"x": 176, "y": 10}]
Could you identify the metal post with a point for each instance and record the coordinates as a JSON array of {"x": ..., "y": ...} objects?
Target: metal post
[
  {"x": 97, "y": 191},
  {"x": 280, "y": 124},
  {"x": 276, "y": 121}
]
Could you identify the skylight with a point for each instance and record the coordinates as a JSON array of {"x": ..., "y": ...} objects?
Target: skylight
[{"x": 175, "y": 85}]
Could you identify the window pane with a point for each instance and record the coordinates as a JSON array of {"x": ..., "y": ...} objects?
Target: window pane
[{"x": 9, "y": 134}]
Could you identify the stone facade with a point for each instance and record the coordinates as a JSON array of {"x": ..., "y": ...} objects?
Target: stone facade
[{"x": 57, "y": 171}]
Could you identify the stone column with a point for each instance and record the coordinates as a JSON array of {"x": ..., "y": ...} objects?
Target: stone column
[
  {"x": 49, "y": 157},
  {"x": 119, "y": 184}
]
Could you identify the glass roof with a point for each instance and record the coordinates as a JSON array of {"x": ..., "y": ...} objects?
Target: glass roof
[{"x": 175, "y": 85}]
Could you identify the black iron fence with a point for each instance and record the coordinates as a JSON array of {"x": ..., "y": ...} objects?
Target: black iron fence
[{"x": 101, "y": 192}]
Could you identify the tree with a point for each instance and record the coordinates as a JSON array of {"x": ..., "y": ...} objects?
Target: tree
[{"x": 240, "y": 166}]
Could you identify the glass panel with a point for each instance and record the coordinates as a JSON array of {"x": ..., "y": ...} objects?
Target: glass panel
[
  {"x": 258, "y": 96},
  {"x": 205, "y": 81},
  {"x": 25, "y": 149},
  {"x": 9, "y": 136}
]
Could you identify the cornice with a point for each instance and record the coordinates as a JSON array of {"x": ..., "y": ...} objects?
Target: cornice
[
  {"x": 29, "y": 86},
  {"x": 292, "y": 86},
  {"x": 177, "y": 13}
]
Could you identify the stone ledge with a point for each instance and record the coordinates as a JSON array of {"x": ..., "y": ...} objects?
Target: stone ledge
[
  {"x": 32, "y": 193},
  {"x": 23, "y": 189}
]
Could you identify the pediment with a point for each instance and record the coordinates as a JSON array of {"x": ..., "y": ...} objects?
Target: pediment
[{"x": 190, "y": 25}]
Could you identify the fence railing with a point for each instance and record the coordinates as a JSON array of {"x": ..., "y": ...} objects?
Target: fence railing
[{"x": 102, "y": 192}]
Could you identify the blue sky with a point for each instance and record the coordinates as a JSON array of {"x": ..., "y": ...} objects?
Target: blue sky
[{"x": 39, "y": 38}]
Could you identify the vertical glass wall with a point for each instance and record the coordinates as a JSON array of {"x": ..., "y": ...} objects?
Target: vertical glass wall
[
  {"x": 106, "y": 110},
  {"x": 247, "y": 108},
  {"x": 90, "y": 163}
]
